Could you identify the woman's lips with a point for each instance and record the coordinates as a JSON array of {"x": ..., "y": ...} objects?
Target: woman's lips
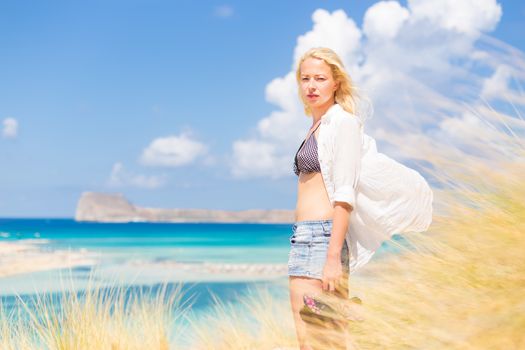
[{"x": 312, "y": 96}]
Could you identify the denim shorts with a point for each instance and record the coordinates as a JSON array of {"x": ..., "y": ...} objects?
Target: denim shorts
[{"x": 309, "y": 247}]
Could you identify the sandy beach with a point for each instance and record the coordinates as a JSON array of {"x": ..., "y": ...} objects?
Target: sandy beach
[{"x": 21, "y": 257}]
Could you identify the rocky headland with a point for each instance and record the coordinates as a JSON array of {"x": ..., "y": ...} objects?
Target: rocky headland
[{"x": 114, "y": 207}]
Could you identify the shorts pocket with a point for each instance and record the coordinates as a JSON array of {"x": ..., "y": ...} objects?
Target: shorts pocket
[
  {"x": 322, "y": 235},
  {"x": 301, "y": 235}
]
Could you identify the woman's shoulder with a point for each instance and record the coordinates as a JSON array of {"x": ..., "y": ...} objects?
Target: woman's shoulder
[{"x": 343, "y": 117}]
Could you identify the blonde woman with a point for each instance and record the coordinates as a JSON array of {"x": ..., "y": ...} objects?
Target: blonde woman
[{"x": 350, "y": 197}]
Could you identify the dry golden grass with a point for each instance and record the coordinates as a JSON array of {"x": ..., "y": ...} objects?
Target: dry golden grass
[
  {"x": 259, "y": 322},
  {"x": 98, "y": 318},
  {"x": 461, "y": 286}
]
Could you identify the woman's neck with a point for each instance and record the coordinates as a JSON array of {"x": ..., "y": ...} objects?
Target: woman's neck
[{"x": 317, "y": 113}]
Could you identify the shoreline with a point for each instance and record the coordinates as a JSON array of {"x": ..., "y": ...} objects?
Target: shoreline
[{"x": 31, "y": 266}]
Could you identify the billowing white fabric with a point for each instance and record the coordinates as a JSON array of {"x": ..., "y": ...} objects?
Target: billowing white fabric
[{"x": 388, "y": 198}]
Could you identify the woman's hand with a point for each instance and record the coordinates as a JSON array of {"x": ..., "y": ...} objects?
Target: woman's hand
[
  {"x": 332, "y": 273},
  {"x": 333, "y": 269}
]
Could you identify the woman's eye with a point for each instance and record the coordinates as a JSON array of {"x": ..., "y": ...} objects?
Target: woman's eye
[{"x": 321, "y": 79}]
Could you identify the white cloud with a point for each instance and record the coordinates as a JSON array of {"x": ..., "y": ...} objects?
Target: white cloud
[
  {"x": 466, "y": 127},
  {"x": 335, "y": 30},
  {"x": 419, "y": 65},
  {"x": 172, "y": 151},
  {"x": 223, "y": 11},
  {"x": 282, "y": 92},
  {"x": 479, "y": 132},
  {"x": 120, "y": 177},
  {"x": 384, "y": 19},
  {"x": 498, "y": 86},
  {"x": 258, "y": 159},
  {"x": 465, "y": 16},
  {"x": 10, "y": 128}
]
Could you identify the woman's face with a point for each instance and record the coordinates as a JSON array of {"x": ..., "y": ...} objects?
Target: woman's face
[{"x": 317, "y": 84}]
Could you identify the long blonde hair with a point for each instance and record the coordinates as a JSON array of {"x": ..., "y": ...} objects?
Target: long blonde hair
[{"x": 345, "y": 93}]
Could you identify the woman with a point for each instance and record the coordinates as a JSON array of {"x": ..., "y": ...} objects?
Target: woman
[
  {"x": 350, "y": 198},
  {"x": 319, "y": 255}
]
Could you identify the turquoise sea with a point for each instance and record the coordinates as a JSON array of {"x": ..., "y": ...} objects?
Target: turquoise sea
[
  {"x": 148, "y": 253},
  {"x": 208, "y": 259},
  {"x": 188, "y": 242}
]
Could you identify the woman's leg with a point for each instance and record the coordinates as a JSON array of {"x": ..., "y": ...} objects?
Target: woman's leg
[
  {"x": 315, "y": 334},
  {"x": 298, "y": 287},
  {"x": 309, "y": 245}
]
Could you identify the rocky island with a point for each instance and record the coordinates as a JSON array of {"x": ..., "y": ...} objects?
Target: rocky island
[{"x": 114, "y": 207}]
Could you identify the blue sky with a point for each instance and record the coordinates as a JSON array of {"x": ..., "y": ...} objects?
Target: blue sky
[{"x": 174, "y": 103}]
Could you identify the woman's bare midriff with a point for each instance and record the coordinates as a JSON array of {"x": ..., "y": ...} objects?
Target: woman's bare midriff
[{"x": 312, "y": 199}]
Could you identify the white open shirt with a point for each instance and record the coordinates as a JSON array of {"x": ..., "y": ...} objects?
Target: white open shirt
[{"x": 387, "y": 197}]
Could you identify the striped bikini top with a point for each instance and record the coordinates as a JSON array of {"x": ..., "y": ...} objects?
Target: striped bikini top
[{"x": 306, "y": 159}]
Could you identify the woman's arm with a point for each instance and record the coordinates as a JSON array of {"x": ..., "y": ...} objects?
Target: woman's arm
[
  {"x": 340, "y": 226},
  {"x": 333, "y": 270},
  {"x": 346, "y": 170}
]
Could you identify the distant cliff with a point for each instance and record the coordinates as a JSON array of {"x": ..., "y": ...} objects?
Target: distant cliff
[{"x": 114, "y": 207}]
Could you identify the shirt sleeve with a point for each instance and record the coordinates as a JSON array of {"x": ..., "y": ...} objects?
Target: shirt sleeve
[{"x": 347, "y": 160}]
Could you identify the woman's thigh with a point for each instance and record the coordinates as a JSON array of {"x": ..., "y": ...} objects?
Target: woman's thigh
[{"x": 299, "y": 286}]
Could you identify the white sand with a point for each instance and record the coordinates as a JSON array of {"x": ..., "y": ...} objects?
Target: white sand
[{"x": 24, "y": 257}]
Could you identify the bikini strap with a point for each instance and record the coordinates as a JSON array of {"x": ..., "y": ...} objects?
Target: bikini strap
[{"x": 314, "y": 129}]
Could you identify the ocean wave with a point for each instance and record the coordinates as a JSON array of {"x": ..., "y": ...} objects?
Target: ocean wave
[
  {"x": 215, "y": 268},
  {"x": 34, "y": 241}
]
